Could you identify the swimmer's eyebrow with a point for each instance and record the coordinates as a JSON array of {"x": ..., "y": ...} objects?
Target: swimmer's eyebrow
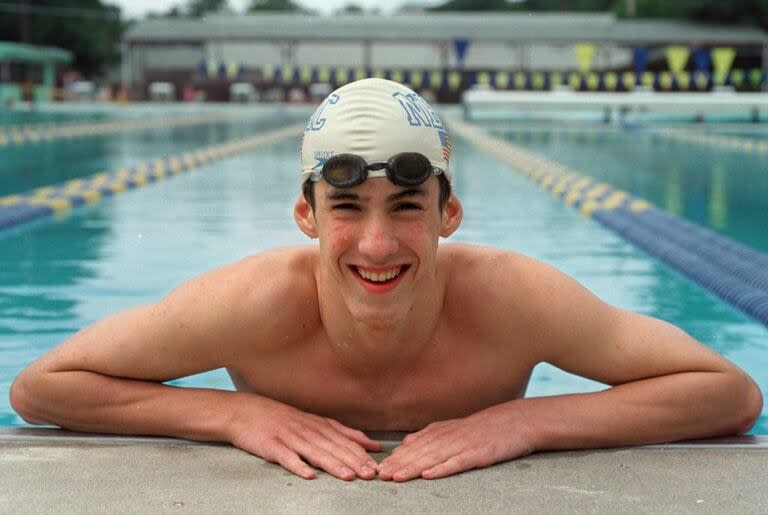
[
  {"x": 343, "y": 195},
  {"x": 410, "y": 192},
  {"x": 340, "y": 194}
]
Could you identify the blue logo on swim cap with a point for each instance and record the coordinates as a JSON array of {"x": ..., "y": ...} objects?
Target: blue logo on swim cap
[
  {"x": 322, "y": 156},
  {"x": 418, "y": 111},
  {"x": 316, "y": 122}
]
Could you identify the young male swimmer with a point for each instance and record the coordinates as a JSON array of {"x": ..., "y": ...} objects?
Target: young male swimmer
[{"x": 378, "y": 328}]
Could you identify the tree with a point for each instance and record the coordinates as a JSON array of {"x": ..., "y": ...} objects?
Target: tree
[
  {"x": 88, "y": 28},
  {"x": 748, "y": 12},
  {"x": 277, "y": 5},
  {"x": 525, "y": 5},
  {"x": 199, "y": 8},
  {"x": 351, "y": 9}
]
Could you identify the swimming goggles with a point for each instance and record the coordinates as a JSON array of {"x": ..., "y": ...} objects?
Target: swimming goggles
[{"x": 348, "y": 170}]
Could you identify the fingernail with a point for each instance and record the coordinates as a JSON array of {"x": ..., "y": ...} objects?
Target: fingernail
[
  {"x": 366, "y": 470},
  {"x": 384, "y": 468},
  {"x": 373, "y": 465},
  {"x": 345, "y": 470}
]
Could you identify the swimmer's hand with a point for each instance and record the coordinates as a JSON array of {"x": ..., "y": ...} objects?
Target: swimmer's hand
[
  {"x": 451, "y": 446},
  {"x": 282, "y": 434}
]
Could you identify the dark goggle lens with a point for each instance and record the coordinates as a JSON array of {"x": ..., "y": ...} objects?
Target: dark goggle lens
[
  {"x": 411, "y": 168},
  {"x": 341, "y": 170}
]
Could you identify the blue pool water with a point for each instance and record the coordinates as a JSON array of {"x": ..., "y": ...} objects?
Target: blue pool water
[
  {"x": 62, "y": 273},
  {"x": 724, "y": 189}
]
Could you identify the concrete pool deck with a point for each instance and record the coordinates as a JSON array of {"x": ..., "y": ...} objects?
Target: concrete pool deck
[{"x": 49, "y": 470}]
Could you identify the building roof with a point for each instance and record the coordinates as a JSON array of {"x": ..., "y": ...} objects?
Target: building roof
[
  {"x": 501, "y": 27},
  {"x": 29, "y": 53}
]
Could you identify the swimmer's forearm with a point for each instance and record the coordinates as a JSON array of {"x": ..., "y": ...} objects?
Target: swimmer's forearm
[
  {"x": 91, "y": 402},
  {"x": 663, "y": 409}
]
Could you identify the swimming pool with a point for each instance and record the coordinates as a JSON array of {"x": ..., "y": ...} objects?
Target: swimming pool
[{"x": 61, "y": 273}]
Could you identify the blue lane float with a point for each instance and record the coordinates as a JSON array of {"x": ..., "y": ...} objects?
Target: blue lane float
[
  {"x": 50, "y": 200},
  {"x": 731, "y": 270},
  {"x": 18, "y": 135},
  {"x": 654, "y": 232},
  {"x": 61, "y": 198}
]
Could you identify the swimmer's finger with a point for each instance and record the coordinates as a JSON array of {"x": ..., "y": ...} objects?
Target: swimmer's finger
[
  {"x": 409, "y": 464},
  {"x": 322, "y": 459},
  {"x": 453, "y": 465},
  {"x": 356, "y": 436},
  {"x": 345, "y": 450},
  {"x": 291, "y": 462}
]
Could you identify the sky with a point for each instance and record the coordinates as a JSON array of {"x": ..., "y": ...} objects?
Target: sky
[{"x": 138, "y": 8}]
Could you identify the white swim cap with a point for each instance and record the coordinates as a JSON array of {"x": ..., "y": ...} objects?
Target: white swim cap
[{"x": 374, "y": 119}]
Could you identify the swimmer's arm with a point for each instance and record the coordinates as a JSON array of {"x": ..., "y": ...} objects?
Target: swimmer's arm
[
  {"x": 107, "y": 377},
  {"x": 665, "y": 385}
]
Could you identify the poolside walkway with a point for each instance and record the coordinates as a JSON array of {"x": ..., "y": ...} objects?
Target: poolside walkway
[{"x": 72, "y": 473}]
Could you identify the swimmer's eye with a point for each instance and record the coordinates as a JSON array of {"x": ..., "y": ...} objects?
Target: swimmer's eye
[
  {"x": 346, "y": 207},
  {"x": 407, "y": 206}
]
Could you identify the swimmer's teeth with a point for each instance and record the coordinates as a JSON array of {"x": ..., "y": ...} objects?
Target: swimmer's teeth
[{"x": 379, "y": 278}]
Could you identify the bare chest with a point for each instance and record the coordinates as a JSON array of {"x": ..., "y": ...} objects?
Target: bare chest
[{"x": 455, "y": 382}]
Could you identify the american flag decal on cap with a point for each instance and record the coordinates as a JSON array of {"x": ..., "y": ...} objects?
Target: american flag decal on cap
[{"x": 445, "y": 142}]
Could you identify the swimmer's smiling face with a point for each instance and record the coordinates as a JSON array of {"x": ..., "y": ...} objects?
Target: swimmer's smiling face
[{"x": 378, "y": 240}]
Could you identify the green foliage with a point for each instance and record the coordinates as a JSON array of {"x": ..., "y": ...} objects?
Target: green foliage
[
  {"x": 277, "y": 5},
  {"x": 199, "y": 8},
  {"x": 749, "y": 12},
  {"x": 754, "y": 12},
  {"x": 93, "y": 35},
  {"x": 351, "y": 9},
  {"x": 529, "y": 5}
]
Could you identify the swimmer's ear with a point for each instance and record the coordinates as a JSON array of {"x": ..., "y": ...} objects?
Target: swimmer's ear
[
  {"x": 452, "y": 215},
  {"x": 305, "y": 217}
]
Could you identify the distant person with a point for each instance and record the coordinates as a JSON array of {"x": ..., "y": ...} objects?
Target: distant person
[
  {"x": 379, "y": 328},
  {"x": 188, "y": 93},
  {"x": 297, "y": 95}
]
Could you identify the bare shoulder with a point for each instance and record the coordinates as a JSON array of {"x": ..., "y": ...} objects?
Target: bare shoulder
[
  {"x": 502, "y": 292},
  {"x": 481, "y": 271},
  {"x": 208, "y": 322},
  {"x": 269, "y": 293}
]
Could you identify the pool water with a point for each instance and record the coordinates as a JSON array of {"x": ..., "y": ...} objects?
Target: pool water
[
  {"x": 720, "y": 188},
  {"x": 61, "y": 273}
]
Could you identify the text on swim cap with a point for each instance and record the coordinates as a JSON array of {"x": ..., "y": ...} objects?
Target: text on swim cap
[
  {"x": 316, "y": 121},
  {"x": 418, "y": 111}
]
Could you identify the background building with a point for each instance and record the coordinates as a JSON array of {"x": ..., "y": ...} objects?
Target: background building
[{"x": 443, "y": 52}]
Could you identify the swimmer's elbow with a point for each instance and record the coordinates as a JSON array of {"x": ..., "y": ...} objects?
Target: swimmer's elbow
[
  {"x": 748, "y": 404},
  {"x": 24, "y": 401},
  {"x": 755, "y": 408}
]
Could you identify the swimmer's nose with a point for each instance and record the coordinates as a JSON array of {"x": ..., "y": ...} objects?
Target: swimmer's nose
[{"x": 378, "y": 241}]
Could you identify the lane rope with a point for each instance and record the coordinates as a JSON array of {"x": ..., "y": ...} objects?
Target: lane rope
[
  {"x": 36, "y": 133},
  {"x": 731, "y": 270},
  {"x": 62, "y": 197},
  {"x": 748, "y": 145}
]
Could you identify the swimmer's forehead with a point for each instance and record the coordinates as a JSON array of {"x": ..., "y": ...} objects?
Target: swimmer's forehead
[
  {"x": 374, "y": 119},
  {"x": 335, "y": 194}
]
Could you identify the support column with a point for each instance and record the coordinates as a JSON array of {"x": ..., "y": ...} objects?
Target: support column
[
  {"x": 445, "y": 56},
  {"x": 125, "y": 66},
  {"x": 48, "y": 73},
  {"x": 764, "y": 86},
  {"x": 367, "y": 54}
]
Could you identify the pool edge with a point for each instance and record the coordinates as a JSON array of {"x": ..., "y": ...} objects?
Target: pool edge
[{"x": 53, "y": 436}]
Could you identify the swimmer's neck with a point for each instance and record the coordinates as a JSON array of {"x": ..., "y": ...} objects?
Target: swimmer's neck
[{"x": 382, "y": 344}]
